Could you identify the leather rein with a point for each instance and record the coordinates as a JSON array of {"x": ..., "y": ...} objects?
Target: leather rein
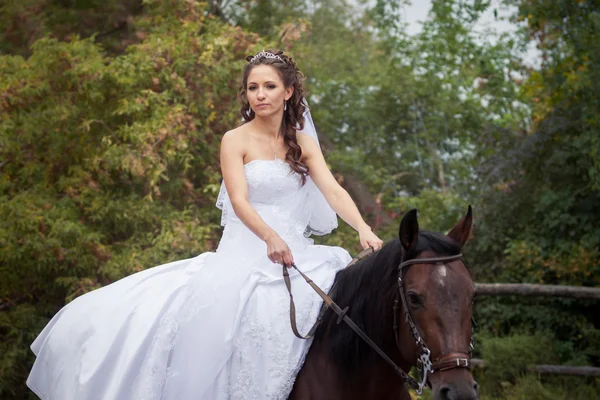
[{"x": 424, "y": 364}]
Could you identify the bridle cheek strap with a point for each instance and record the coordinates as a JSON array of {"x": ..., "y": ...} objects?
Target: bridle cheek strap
[{"x": 446, "y": 362}]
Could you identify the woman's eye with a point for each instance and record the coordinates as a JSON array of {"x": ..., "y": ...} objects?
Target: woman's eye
[
  {"x": 252, "y": 88},
  {"x": 270, "y": 86}
]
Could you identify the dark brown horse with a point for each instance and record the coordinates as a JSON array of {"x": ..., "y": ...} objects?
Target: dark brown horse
[{"x": 438, "y": 297}]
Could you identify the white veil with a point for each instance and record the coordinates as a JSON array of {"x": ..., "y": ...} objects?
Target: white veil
[{"x": 322, "y": 220}]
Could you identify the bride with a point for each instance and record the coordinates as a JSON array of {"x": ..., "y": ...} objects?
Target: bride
[{"x": 217, "y": 326}]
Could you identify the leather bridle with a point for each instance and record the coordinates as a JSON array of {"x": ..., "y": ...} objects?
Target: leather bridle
[{"x": 424, "y": 364}]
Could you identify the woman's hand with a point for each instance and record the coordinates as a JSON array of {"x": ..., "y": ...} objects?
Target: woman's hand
[
  {"x": 278, "y": 251},
  {"x": 369, "y": 239}
]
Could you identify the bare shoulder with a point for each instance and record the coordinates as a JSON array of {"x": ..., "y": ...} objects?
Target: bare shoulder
[
  {"x": 235, "y": 135},
  {"x": 234, "y": 140},
  {"x": 306, "y": 142}
]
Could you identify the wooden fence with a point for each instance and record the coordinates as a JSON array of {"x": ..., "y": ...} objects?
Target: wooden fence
[
  {"x": 552, "y": 369},
  {"x": 524, "y": 289}
]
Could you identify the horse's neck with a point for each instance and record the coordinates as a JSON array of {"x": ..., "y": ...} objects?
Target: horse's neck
[
  {"x": 370, "y": 296},
  {"x": 321, "y": 378}
]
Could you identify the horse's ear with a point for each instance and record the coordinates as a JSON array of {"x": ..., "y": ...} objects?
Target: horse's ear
[
  {"x": 409, "y": 230},
  {"x": 461, "y": 233}
]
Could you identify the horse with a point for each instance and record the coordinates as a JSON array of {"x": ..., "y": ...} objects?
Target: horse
[{"x": 415, "y": 314}]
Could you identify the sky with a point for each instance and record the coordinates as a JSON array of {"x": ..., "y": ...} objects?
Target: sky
[{"x": 418, "y": 10}]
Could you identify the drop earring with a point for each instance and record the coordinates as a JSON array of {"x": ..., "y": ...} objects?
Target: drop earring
[{"x": 284, "y": 105}]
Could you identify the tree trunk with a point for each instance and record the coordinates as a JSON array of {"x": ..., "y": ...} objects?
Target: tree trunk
[{"x": 367, "y": 203}]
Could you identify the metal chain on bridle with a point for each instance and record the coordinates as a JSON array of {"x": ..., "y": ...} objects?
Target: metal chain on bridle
[{"x": 424, "y": 363}]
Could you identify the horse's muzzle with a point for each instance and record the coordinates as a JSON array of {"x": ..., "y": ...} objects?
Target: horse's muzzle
[{"x": 454, "y": 385}]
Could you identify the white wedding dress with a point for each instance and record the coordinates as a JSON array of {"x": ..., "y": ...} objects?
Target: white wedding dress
[{"x": 212, "y": 327}]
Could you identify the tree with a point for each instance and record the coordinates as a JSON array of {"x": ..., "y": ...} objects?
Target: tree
[
  {"x": 109, "y": 164},
  {"x": 539, "y": 224},
  {"x": 25, "y": 21}
]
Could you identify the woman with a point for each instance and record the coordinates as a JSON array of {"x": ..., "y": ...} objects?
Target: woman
[{"x": 216, "y": 326}]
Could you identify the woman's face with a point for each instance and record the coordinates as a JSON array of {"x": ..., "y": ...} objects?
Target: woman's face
[{"x": 266, "y": 92}]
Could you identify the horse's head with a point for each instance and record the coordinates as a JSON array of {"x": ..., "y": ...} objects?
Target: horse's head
[{"x": 438, "y": 296}]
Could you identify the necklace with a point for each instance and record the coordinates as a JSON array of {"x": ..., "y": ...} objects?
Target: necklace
[{"x": 273, "y": 150}]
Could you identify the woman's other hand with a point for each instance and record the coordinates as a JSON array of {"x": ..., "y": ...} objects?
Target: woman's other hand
[
  {"x": 278, "y": 251},
  {"x": 369, "y": 239}
]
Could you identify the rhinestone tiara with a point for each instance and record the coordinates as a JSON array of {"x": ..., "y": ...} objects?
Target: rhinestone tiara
[{"x": 266, "y": 54}]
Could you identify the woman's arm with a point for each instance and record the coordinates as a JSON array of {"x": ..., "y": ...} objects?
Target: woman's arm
[
  {"x": 232, "y": 168},
  {"x": 337, "y": 197}
]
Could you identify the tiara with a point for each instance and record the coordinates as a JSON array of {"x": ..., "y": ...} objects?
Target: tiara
[{"x": 266, "y": 54}]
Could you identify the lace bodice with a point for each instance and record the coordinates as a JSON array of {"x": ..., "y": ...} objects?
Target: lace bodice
[
  {"x": 270, "y": 181},
  {"x": 276, "y": 192}
]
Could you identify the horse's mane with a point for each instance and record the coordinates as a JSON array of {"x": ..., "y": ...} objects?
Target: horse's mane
[{"x": 369, "y": 288}]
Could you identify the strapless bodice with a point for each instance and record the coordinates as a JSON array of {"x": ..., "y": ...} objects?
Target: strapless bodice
[
  {"x": 270, "y": 182},
  {"x": 277, "y": 194}
]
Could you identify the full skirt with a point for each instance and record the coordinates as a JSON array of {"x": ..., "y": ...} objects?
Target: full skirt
[{"x": 211, "y": 327}]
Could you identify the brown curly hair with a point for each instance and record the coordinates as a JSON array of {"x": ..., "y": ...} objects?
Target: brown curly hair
[{"x": 293, "y": 116}]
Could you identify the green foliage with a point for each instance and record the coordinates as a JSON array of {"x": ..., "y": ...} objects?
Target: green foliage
[
  {"x": 507, "y": 358},
  {"x": 109, "y": 165},
  {"x": 25, "y": 21},
  {"x": 531, "y": 387},
  {"x": 539, "y": 223},
  {"x": 436, "y": 122},
  {"x": 506, "y": 376},
  {"x": 109, "y": 145},
  {"x": 438, "y": 212},
  {"x": 263, "y": 17},
  {"x": 545, "y": 192},
  {"x": 19, "y": 327}
]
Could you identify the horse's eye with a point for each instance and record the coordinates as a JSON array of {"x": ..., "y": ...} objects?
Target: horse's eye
[{"x": 414, "y": 299}]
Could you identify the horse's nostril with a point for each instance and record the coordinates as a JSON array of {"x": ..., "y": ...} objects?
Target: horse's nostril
[
  {"x": 462, "y": 392},
  {"x": 445, "y": 393}
]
